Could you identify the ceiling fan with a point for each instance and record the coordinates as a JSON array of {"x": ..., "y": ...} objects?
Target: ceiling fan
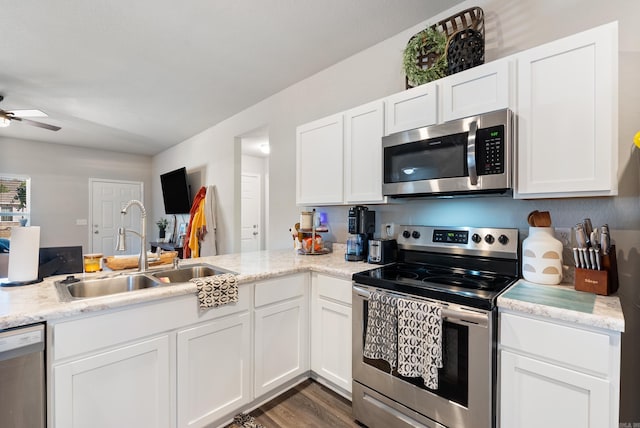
[{"x": 21, "y": 116}]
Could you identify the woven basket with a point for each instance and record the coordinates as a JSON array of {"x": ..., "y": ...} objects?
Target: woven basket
[{"x": 472, "y": 18}]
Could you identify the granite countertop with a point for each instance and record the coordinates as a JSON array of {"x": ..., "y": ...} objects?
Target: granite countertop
[
  {"x": 40, "y": 302},
  {"x": 562, "y": 302}
]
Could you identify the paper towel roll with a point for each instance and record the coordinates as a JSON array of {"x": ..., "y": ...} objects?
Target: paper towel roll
[{"x": 23, "y": 254}]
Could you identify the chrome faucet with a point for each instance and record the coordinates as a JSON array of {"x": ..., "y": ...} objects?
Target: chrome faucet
[{"x": 143, "y": 262}]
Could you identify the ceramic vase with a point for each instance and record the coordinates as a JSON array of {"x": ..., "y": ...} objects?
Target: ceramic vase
[{"x": 542, "y": 256}]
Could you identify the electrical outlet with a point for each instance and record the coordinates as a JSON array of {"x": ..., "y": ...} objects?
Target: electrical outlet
[
  {"x": 563, "y": 234},
  {"x": 388, "y": 230}
]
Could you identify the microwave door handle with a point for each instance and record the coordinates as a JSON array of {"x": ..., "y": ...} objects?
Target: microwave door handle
[{"x": 471, "y": 153}]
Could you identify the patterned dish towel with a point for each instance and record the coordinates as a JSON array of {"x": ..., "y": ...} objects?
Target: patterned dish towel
[
  {"x": 381, "y": 338},
  {"x": 420, "y": 340},
  {"x": 216, "y": 290}
]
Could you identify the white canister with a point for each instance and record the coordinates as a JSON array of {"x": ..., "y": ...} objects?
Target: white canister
[
  {"x": 542, "y": 256},
  {"x": 306, "y": 220}
]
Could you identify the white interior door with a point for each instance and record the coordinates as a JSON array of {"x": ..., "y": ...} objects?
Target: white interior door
[
  {"x": 250, "y": 235},
  {"x": 107, "y": 199}
]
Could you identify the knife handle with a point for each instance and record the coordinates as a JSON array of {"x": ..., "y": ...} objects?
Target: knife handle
[{"x": 592, "y": 257}]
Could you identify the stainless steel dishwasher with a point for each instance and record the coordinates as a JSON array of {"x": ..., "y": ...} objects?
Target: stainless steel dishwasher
[{"x": 22, "y": 375}]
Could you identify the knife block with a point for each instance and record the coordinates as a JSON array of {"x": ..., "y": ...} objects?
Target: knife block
[{"x": 603, "y": 282}]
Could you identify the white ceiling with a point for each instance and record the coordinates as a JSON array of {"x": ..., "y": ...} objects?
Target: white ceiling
[{"x": 140, "y": 76}]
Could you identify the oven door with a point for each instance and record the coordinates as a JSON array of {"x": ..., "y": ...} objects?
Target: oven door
[{"x": 465, "y": 396}]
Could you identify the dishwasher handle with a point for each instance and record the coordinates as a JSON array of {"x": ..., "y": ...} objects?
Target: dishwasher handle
[{"x": 21, "y": 341}]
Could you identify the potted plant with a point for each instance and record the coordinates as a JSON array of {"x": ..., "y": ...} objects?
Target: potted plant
[{"x": 162, "y": 225}]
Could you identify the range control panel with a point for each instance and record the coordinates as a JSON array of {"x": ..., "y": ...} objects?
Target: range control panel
[{"x": 485, "y": 241}]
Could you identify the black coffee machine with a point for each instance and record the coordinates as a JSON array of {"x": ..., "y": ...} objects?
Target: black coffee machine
[{"x": 362, "y": 225}]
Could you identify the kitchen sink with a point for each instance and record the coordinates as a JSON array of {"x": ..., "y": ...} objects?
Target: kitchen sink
[
  {"x": 186, "y": 273},
  {"x": 104, "y": 286},
  {"x": 72, "y": 289}
]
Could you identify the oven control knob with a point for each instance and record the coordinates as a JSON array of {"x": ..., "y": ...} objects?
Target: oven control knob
[
  {"x": 503, "y": 239},
  {"x": 406, "y": 234},
  {"x": 415, "y": 234},
  {"x": 476, "y": 238},
  {"x": 489, "y": 239}
]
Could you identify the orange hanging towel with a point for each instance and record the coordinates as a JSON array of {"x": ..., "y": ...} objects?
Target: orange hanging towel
[
  {"x": 194, "y": 209},
  {"x": 198, "y": 224}
]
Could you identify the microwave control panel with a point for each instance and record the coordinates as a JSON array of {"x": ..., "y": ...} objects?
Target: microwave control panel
[{"x": 490, "y": 150}]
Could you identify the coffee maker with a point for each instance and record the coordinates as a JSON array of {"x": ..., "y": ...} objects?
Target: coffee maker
[{"x": 362, "y": 225}]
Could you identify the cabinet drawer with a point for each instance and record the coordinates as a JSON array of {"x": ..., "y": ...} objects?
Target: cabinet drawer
[
  {"x": 573, "y": 347},
  {"x": 279, "y": 289},
  {"x": 333, "y": 288}
]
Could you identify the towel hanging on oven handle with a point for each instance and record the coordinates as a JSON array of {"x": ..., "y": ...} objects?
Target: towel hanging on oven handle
[{"x": 450, "y": 312}]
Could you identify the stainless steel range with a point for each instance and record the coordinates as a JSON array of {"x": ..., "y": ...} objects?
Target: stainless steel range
[{"x": 460, "y": 271}]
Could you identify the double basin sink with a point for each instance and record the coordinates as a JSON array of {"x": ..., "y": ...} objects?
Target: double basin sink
[{"x": 72, "y": 289}]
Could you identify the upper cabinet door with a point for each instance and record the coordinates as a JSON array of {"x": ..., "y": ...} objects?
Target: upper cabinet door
[
  {"x": 476, "y": 90},
  {"x": 413, "y": 108},
  {"x": 363, "y": 153},
  {"x": 567, "y": 116},
  {"x": 319, "y": 162}
]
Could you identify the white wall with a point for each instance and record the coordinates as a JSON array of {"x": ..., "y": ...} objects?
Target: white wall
[
  {"x": 511, "y": 26},
  {"x": 60, "y": 184}
]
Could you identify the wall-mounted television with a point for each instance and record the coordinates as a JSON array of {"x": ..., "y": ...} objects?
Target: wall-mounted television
[{"x": 175, "y": 192}]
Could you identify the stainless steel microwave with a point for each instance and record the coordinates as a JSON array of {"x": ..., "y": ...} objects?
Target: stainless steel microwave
[{"x": 469, "y": 156}]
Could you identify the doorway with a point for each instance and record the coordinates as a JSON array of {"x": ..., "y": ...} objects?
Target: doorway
[
  {"x": 254, "y": 185},
  {"x": 106, "y": 199},
  {"x": 251, "y": 215}
]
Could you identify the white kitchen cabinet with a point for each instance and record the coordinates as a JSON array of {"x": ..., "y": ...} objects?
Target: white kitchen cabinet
[
  {"x": 555, "y": 374},
  {"x": 213, "y": 369},
  {"x": 364, "y": 128},
  {"x": 567, "y": 119},
  {"x": 281, "y": 349},
  {"x": 477, "y": 90},
  {"x": 151, "y": 364},
  {"x": 319, "y": 162},
  {"x": 331, "y": 330},
  {"x": 126, "y": 386},
  {"x": 413, "y": 108}
]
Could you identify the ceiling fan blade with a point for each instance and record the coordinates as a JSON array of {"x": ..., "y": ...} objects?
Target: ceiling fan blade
[{"x": 38, "y": 124}]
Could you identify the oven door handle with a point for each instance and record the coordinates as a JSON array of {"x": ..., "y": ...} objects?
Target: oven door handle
[
  {"x": 471, "y": 153},
  {"x": 449, "y": 313}
]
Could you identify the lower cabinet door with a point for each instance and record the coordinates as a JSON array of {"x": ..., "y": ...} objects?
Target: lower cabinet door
[
  {"x": 331, "y": 342},
  {"x": 281, "y": 343},
  {"x": 537, "y": 394},
  {"x": 213, "y": 370},
  {"x": 125, "y": 387}
]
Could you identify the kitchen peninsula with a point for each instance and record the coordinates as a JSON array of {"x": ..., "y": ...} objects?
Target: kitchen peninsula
[{"x": 280, "y": 296}]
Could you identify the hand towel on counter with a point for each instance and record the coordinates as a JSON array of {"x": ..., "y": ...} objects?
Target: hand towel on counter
[
  {"x": 208, "y": 238},
  {"x": 420, "y": 340},
  {"x": 381, "y": 338},
  {"x": 216, "y": 290}
]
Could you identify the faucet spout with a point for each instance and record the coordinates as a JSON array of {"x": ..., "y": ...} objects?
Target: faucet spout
[{"x": 143, "y": 262}]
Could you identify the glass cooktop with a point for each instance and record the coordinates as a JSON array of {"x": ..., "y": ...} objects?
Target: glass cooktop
[{"x": 463, "y": 286}]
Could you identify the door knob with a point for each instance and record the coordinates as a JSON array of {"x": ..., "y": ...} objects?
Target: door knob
[
  {"x": 96, "y": 232},
  {"x": 255, "y": 233}
]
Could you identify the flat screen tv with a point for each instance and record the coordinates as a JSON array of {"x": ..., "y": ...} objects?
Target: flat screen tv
[{"x": 175, "y": 192}]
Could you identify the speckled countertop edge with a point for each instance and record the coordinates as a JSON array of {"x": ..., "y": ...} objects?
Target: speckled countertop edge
[
  {"x": 40, "y": 302},
  {"x": 607, "y": 311}
]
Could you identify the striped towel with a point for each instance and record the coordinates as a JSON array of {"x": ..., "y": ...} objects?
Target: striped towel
[
  {"x": 216, "y": 290},
  {"x": 381, "y": 338},
  {"x": 419, "y": 340}
]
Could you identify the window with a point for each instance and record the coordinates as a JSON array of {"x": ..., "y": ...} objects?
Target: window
[{"x": 15, "y": 202}]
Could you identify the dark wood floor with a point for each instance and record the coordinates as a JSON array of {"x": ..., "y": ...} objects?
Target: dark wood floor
[{"x": 308, "y": 405}]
